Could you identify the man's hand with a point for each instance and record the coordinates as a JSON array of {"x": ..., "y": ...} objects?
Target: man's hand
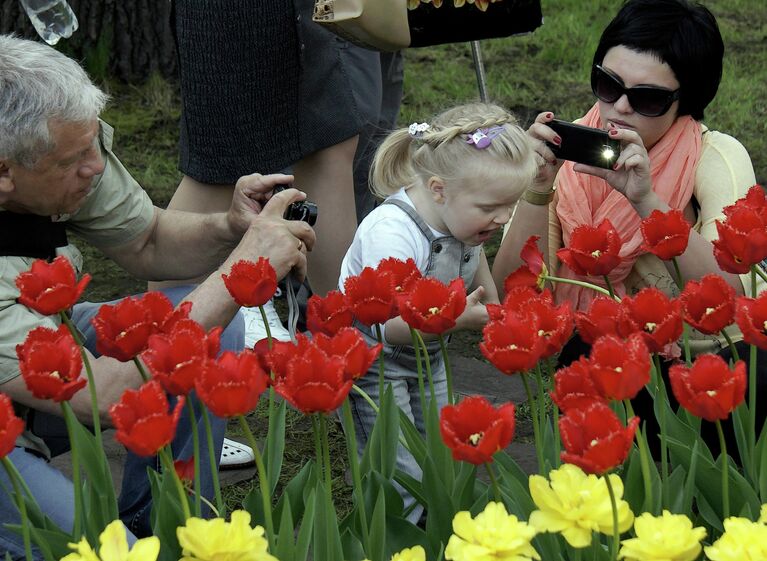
[
  {"x": 283, "y": 242},
  {"x": 251, "y": 193}
]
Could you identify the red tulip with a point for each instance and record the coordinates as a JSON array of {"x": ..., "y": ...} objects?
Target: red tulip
[
  {"x": 474, "y": 430},
  {"x": 665, "y": 234},
  {"x": 314, "y": 382},
  {"x": 432, "y": 307},
  {"x": 573, "y": 386},
  {"x": 403, "y": 273},
  {"x": 512, "y": 344},
  {"x": 50, "y": 363},
  {"x": 185, "y": 469},
  {"x": 534, "y": 270},
  {"x": 751, "y": 317},
  {"x": 143, "y": 422},
  {"x": 592, "y": 251},
  {"x": 604, "y": 316},
  {"x": 658, "y": 317},
  {"x": 50, "y": 288},
  {"x": 251, "y": 284},
  {"x": 755, "y": 199},
  {"x": 282, "y": 352},
  {"x": 328, "y": 315},
  {"x": 709, "y": 389},
  {"x": 555, "y": 324},
  {"x": 516, "y": 300},
  {"x": 352, "y": 348},
  {"x": 123, "y": 329},
  {"x": 371, "y": 296},
  {"x": 232, "y": 385},
  {"x": 742, "y": 239},
  {"x": 619, "y": 368},
  {"x": 10, "y": 426},
  {"x": 709, "y": 304},
  {"x": 594, "y": 438},
  {"x": 177, "y": 359}
]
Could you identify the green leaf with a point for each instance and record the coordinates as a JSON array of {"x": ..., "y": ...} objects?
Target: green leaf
[
  {"x": 166, "y": 514},
  {"x": 294, "y": 492},
  {"x": 411, "y": 485},
  {"x": 305, "y": 530},
  {"x": 375, "y": 485},
  {"x": 275, "y": 443},
  {"x": 413, "y": 438},
  {"x": 689, "y": 484},
  {"x": 327, "y": 539},
  {"x": 438, "y": 453},
  {"x": 381, "y": 450},
  {"x": 285, "y": 545},
  {"x": 401, "y": 534},
  {"x": 439, "y": 505},
  {"x": 351, "y": 544},
  {"x": 761, "y": 468},
  {"x": 377, "y": 536}
]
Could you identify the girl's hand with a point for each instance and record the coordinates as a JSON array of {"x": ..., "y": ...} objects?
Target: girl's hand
[
  {"x": 474, "y": 316},
  {"x": 630, "y": 175},
  {"x": 548, "y": 165}
]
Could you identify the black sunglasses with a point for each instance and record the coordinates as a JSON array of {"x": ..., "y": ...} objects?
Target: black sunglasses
[{"x": 649, "y": 101}]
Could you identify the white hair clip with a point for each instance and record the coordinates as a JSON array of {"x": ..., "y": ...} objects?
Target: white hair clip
[{"x": 416, "y": 130}]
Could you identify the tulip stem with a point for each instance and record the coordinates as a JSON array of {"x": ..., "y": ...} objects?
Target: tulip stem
[
  {"x": 733, "y": 348},
  {"x": 366, "y": 397},
  {"x": 381, "y": 369},
  {"x": 448, "y": 370},
  {"x": 725, "y": 471},
  {"x": 662, "y": 421},
  {"x": 326, "y": 455},
  {"x": 266, "y": 326},
  {"x": 644, "y": 462},
  {"x": 494, "y": 483},
  {"x": 428, "y": 365},
  {"x": 616, "y": 532},
  {"x": 583, "y": 284},
  {"x": 536, "y": 428},
  {"x": 166, "y": 458},
  {"x": 76, "y": 481},
  {"x": 354, "y": 463},
  {"x": 263, "y": 481},
  {"x": 419, "y": 369},
  {"x": 91, "y": 382},
  {"x": 141, "y": 369},
  {"x": 195, "y": 458},
  {"x": 759, "y": 272},
  {"x": 213, "y": 463},
  {"x": 555, "y": 415},
  {"x": 541, "y": 404},
  {"x": 10, "y": 469},
  {"x": 609, "y": 286},
  {"x": 678, "y": 277},
  {"x": 752, "y": 382}
]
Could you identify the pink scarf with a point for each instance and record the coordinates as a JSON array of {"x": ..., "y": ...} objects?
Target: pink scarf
[{"x": 585, "y": 199}]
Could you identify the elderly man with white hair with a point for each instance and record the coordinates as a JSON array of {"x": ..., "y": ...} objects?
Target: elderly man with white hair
[{"x": 58, "y": 173}]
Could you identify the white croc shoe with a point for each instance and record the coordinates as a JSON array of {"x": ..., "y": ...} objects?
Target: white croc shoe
[
  {"x": 235, "y": 455},
  {"x": 254, "y": 325}
]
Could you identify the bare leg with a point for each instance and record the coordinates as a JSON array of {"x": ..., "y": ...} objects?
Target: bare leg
[
  {"x": 327, "y": 178},
  {"x": 193, "y": 196}
]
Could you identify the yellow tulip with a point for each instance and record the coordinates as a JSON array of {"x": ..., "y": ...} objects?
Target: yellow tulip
[
  {"x": 415, "y": 553},
  {"x": 218, "y": 540},
  {"x": 742, "y": 540},
  {"x": 494, "y": 535},
  {"x": 668, "y": 537},
  {"x": 576, "y": 504},
  {"x": 763, "y": 517},
  {"x": 114, "y": 547}
]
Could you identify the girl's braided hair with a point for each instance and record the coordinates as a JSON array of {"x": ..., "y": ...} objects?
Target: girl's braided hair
[{"x": 442, "y": 149}]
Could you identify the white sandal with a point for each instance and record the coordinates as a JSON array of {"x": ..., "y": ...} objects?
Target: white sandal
[{"x": 235, "y": 455}]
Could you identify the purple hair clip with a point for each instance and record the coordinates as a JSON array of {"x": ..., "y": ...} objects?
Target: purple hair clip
[{"x": 482, "y": 138}]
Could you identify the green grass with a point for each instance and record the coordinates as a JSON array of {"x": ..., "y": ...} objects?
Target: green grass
[{"x": 546, "y": 70}]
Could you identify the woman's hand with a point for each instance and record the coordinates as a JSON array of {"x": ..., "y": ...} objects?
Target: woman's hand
[
  {"x": 630, "y": 175},
  {"x": 548, "y": 165}
]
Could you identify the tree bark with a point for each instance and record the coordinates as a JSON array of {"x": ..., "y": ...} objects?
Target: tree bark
[{"x": 126, "y": 39}]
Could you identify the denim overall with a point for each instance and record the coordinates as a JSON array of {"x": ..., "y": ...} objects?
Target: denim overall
[{"x": 448, "y": 259}]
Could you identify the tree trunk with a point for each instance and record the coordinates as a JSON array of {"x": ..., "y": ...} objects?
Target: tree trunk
[{"x": 126, "y": 39}]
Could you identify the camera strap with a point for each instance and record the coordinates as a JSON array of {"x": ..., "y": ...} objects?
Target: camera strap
[{"x": 30, "y": 235}]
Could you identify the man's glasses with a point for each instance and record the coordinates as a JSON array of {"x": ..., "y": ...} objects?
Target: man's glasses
[{"x": 649, "y": 101}]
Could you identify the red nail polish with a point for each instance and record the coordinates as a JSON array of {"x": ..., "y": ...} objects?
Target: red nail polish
[
  {"x": 549, "y": 115},
  {"x": 615, "y": 166},
  {"x": 612, "y": 132},
  {"x": 557, "y": 140}
]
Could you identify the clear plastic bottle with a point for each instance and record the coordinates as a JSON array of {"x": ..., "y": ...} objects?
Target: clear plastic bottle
[{"x": 53, "y": 19}]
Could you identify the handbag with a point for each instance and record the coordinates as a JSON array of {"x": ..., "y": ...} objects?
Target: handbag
[{"x": 388, "y": 25}]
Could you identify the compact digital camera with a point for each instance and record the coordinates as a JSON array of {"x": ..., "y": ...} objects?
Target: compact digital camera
[{"x": 300, "y": 210}]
